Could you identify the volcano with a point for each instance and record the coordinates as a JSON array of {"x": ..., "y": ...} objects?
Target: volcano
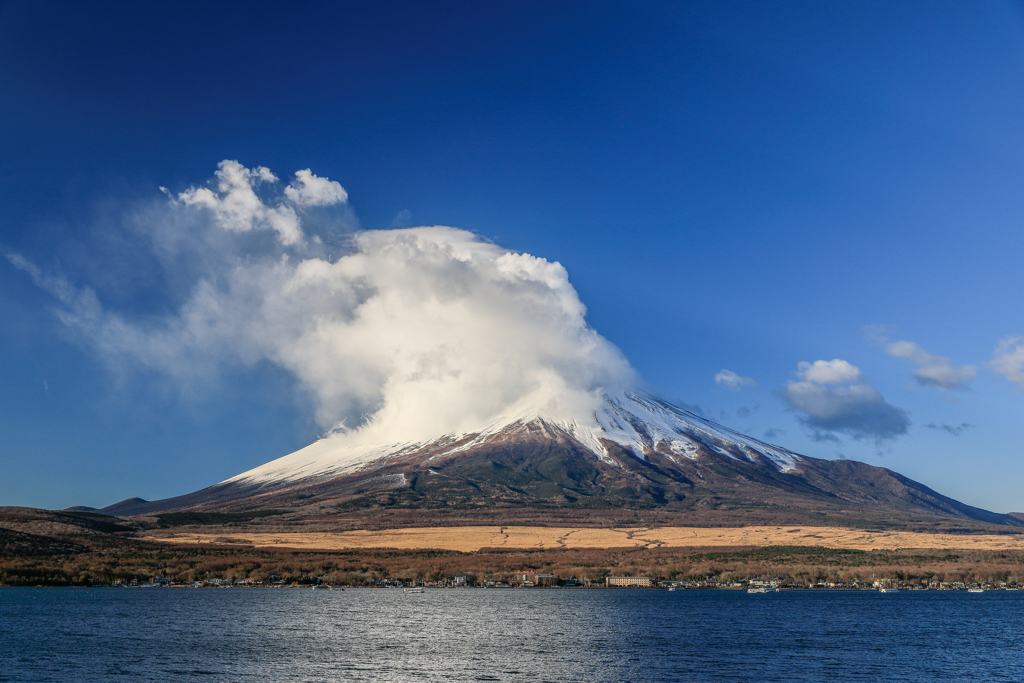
[{"x": 633, "y": 450}]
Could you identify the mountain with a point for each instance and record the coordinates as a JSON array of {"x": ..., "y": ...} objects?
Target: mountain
[{"x": 634, "y": 451}]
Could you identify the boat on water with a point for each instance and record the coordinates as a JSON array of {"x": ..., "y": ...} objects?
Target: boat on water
[
  {"x": 975, "y": 590},
  {"x": 413, "y": 590},
  {"x": 757, "y": 590},
  {"x": 888, "y": 590}
]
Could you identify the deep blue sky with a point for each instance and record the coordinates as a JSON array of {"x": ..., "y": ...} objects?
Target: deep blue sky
[{"x": 731, "y": 186}]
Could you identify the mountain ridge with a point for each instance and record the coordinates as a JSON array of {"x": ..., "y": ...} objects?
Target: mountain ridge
[{"x": 634, "y": 451}]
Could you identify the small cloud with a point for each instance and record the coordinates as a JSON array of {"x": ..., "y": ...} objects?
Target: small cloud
[
  {"x": 46, "y": 387},
  {"x": 312, "y": 190},
  {"x": 402, "y": 219},
  {"x": 880, "y": 334},
  {"x": 955, "y": 430},
  {"x": 824, "y": 437},
  {"x": 1008, "y": 359},
  {"x": 857, "y": 410},
  {"x": 933, "y": 371},
  {"x": 730, "y": 380},
  {"x": 744, "y": 411},
  {"x": 772, "y": 433},
  {"x": 834, "y": 371}
]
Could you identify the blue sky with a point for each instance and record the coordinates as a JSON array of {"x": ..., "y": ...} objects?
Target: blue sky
[{"x": 731, "y": 186}]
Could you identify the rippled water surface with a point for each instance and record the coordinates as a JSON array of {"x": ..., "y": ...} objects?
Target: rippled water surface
[{"x": 171, "y": 634}]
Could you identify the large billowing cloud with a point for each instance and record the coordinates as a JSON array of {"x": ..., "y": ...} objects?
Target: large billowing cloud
[
  {"x": 832, "y": 398},
  {"x": 397, "y": 335}
]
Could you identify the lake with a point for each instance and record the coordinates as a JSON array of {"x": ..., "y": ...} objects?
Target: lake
[{"x": 296, "y": 634}]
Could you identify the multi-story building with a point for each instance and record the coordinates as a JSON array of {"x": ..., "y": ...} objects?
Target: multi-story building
[
  {"x": 535, "y": 579},
  {"x": 641, "y": 581}
]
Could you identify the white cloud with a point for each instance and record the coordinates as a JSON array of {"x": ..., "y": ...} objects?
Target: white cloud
[
  {"x": 311, "y": 190},
  {"x": 405, "y": 334},
  {"x": 857, "y": 410},
  {"x": 81, "y": 302},
  {"x": 828, "y": 371},
  {"x": 933, "y": 371},
  {"x": 237, "y": 208},
  {"x": 728, "y": 378},
  {"x": 1008, "y": 359}
]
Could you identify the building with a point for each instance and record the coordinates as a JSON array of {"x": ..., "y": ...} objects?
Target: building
[
  {"x": 639, "y": 581},
  {"x": 764, "y": 583},
  {"x": 528, "y": 578}
]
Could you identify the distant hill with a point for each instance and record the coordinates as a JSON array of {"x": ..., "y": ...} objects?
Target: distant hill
[{"x": 125, "y": 507}]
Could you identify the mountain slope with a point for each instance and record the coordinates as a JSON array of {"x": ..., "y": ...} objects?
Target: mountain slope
[{"x": 633, "y": 451}]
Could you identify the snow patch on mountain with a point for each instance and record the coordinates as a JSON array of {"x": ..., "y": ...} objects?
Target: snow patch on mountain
[{"x": 636, "y": 421}]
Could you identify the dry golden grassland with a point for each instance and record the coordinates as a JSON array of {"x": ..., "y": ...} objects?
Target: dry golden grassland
[
  {"x": 473, "y": 538},
  {"x": 40, "y": 547}
]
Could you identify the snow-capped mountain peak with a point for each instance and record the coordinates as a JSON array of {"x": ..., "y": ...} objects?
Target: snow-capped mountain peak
[{"x": 637, "y": 422}]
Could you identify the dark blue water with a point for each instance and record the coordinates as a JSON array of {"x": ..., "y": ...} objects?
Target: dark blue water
[{"x": 111, "y": 634}]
